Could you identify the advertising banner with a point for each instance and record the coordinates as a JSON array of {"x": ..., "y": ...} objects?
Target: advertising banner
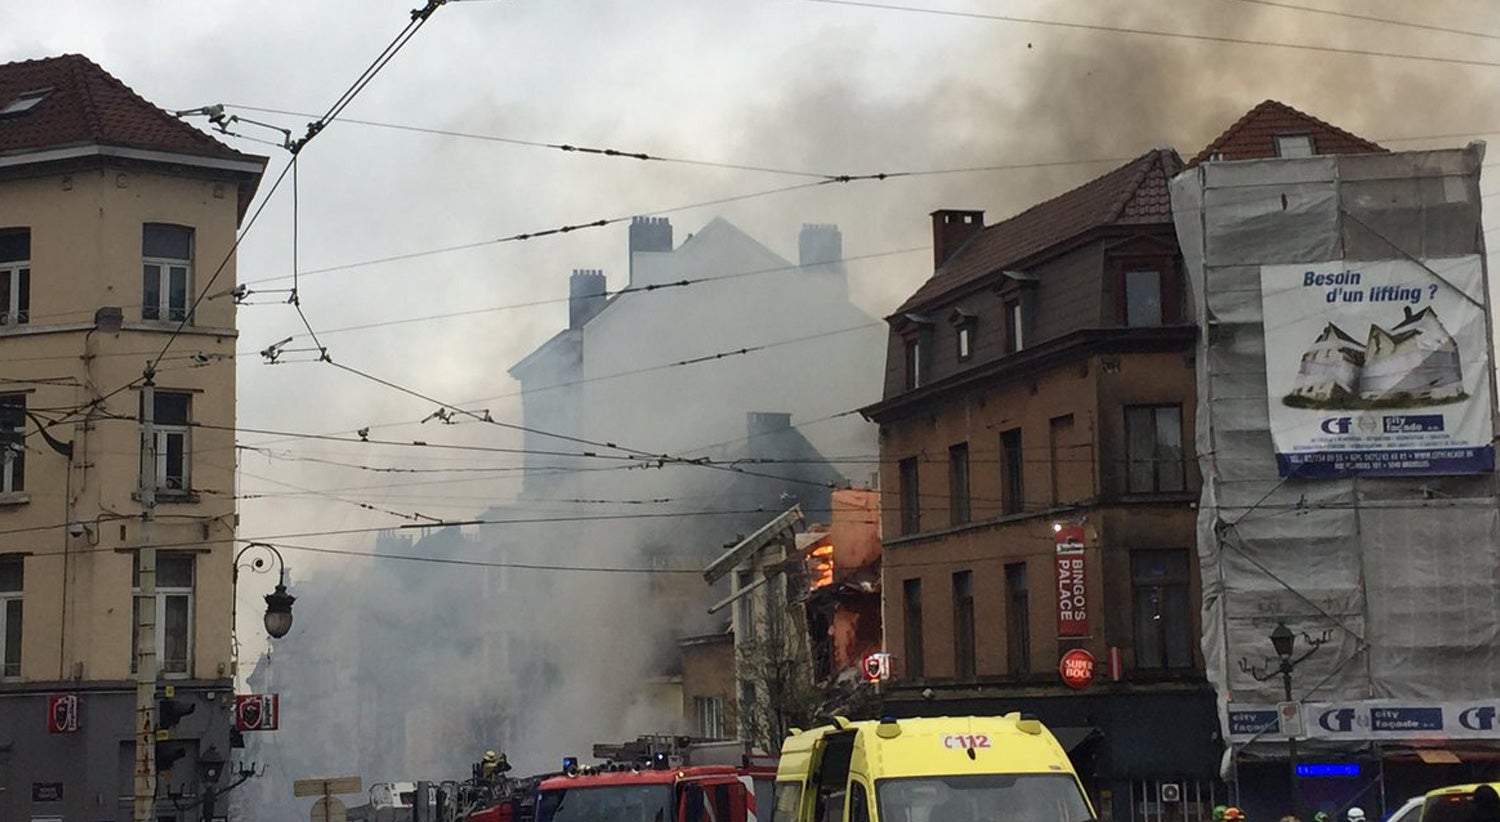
[
  {"x": 1378, "y": 367},
  {"x": 1371, "y": 719},
  {"x": 1072, "y": 589}
]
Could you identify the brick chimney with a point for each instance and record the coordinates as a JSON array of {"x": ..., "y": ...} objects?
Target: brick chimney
[
  {"x": 819, "y": 243},
  {"x": 648, "y": 234},
  {"x": 586, "y": 295},
  {"x": 950, "y": 229}
]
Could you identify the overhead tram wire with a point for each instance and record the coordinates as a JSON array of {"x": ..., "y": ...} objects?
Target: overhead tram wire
[
  {"x": 1347, "y": 15},
  {"x": 419, "y": 18},
  {"x": 1180, "y": 35}
]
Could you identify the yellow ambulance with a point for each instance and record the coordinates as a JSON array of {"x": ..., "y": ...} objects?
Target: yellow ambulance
[{"x": 929, "y": 769}]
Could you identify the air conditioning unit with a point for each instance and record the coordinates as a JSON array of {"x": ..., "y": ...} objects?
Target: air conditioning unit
[{"x": 1171, "y": 792}]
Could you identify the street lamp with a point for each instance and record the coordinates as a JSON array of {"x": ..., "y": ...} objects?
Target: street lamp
[
  {"x": 1284, "y": 643},
  {"x": 278, "y": 602}
]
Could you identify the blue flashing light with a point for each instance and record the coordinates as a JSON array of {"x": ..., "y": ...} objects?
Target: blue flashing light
[
  {"x": 1329, "y": 769},
  {"x": 570, "y": 765}
]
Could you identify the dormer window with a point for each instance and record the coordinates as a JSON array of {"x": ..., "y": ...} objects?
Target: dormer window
[
  {"x": 1294, "y": 145},
  {"x": 964, "y": 325},
  {"x": 916, "y": 337},
  {"x": 914, "y": 375},
  {"x": 24, "y": 102}
]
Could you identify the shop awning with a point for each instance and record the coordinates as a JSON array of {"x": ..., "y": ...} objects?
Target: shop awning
[
  {"x": 1438, "y": 756},
  {"x": 1071, "y": 738}
]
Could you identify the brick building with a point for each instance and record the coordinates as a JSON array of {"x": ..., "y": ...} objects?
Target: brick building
[{"x": 1043, "y": 378}]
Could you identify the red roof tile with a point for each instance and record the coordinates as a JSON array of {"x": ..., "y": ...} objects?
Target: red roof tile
[
  {"x": 1134, "y": 193},
  {"x": 88, "y": 106},
  {"x": 1252, "y": 136}
]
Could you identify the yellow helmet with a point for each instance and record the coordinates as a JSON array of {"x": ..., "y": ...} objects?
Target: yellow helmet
[{"x": 489, "y": 756}]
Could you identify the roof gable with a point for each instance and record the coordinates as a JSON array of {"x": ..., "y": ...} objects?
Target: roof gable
[
  {"x": 1253, "y": 135},
  {"x": 1135, "y": 193},
  {"x": 89, "y": 106}
]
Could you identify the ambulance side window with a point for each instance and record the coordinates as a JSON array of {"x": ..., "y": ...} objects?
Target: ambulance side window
[
  {"x": 788, "y": 798},
  {"x": 859, "y": 805}
]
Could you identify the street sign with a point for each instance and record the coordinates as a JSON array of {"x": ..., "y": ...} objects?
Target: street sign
[
  {"x": 1076, "y": 668},
  {"x": 326, "y": 786},
  {"x": 1290, "y": 716},
  {"x": 62, "y": 713},
  {"x": 256, "y": 712},
  {"x": 328, "y": 809},
  {"x": 876, "y": 666}
]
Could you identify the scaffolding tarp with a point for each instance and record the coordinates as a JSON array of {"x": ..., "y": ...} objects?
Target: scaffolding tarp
[{"x": 1392, "y": 565}]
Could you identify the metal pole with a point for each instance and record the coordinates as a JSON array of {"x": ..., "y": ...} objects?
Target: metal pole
[
  {"x": 145, "y": 622},
  {"x": 1291, "y": 744}
]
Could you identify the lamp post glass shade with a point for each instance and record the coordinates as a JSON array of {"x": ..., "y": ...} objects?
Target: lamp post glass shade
[
  {"x": 211, "y": 765},
  {"x": 1283, "y": 640},
  {"x": 279, "y": 612}
]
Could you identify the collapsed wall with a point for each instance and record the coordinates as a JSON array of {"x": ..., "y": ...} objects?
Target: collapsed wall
[{"x": 1346, "y": 418}]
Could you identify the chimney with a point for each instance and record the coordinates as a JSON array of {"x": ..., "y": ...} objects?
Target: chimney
[
  {"x": 950, "y": 229},
  {"x": 761, "y": 423},
  {"x": 586, "y": 295},
  {"x": 819, "y": 243},
  {"x": 648, "y": 234}
]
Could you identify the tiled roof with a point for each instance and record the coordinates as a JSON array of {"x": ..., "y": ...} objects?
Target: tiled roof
[
  {"x": 1251, "y": 136},
  {"x": 89, "y": 106},
  {"x": 1134, "y": 193}
]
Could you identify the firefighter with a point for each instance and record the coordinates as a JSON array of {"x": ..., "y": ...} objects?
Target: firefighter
[{"x": 492, "y": 765}]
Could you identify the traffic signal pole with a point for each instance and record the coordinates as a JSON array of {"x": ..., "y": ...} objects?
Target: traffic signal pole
[{"x": 145, "y": 618}]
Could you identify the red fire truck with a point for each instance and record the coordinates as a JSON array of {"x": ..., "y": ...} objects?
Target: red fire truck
[{"x": 660, "y": 779}]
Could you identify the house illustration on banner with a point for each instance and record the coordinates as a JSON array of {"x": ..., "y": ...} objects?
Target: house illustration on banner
[{"x": 1415, "y": 361}]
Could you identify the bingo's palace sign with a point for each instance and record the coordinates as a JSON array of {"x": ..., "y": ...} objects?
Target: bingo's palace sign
[{"x": 1072, "y": 589}]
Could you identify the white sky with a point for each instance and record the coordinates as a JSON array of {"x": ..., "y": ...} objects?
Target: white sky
[{"x": 786, "y": 83}]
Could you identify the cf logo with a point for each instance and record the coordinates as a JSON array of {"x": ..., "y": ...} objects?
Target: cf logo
[
  {"x": 1335, "y": 425},
  {"x": 1338, "y": 720},
  {"x": 1478, "y": 719}
]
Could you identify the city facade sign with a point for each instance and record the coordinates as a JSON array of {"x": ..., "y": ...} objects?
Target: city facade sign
[
  {"x": 1378, "y": 367},
  {"x": 62, "y": 713},
  {"x": 876, "y": 666},
  {"x": 1072, "y": 584},
  {"x": 1372, "y": 719},
  {"x": 257, "y": 712},
  {"x": 1076, "y": 668}
]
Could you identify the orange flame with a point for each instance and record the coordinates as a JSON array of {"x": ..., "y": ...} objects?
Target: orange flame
[{"x": 820, "y": 566}]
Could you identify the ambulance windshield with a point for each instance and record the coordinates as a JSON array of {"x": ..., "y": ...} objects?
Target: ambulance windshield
[{"x": 982, "y": 798}]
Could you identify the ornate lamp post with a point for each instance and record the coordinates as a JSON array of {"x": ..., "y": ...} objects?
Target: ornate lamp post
[
  {"x": 1284, "y": 643},
  {"x": 278, "y": 602}
]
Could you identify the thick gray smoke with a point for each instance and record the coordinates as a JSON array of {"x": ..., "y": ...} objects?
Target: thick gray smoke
[{"x": 401, "y": 670}]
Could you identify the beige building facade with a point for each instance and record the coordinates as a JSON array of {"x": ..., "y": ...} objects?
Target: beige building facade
[{"x": 114, "y": 217}]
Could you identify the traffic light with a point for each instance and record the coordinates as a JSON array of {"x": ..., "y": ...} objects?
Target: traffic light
[
  {"x": 171, "y": 711},
  {"x": 167, "y": 754}
]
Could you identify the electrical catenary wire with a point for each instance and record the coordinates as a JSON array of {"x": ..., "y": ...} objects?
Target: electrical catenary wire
[
  {"x": 1180, "y": 35},
  {"x": 1371, "y": 19}
]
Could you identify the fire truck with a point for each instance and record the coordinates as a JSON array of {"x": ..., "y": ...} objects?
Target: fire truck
[{"x": 660, "y": 779}]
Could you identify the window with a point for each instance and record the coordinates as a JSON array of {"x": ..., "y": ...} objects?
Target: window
[
  {"x": 167, "y": 265},
  {"x": 15, "y": 276},
  {"x": 913, "y": 363},
  {"x": 911, "y": 600},
  {"x": 12, "y": 578},
  {"x": 25, "y": 101},
  {"x": 1294, "y": 145},
  {"x": 963, "y": 624},
  {"x": 965, "y": 338},
  {"x": 911, "y": 499},
  {"x": 1153, "y": 449},
  {"x": 744, "y": 607},
  {"x": 710, "y": 711},
  {"x": 172, "y": 417},
  {"x": 174, "y": 613},
  {"x": 13, "y": 441},
  {"x": 958, "y": 483},
  {"x": 1015, "y": 328},
  {"x": 1012, "y": 473},
  {"x": 1143, "y": 297},
  {"x": 1017, "y": 619},
  {"x": 1163, "y": 615},
  {"x": 859, "y": 803},
  {"x": 1059, "y": 453}
]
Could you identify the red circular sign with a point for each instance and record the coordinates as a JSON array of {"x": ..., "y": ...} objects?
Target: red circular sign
[{"x": 1077, "y": 668}]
